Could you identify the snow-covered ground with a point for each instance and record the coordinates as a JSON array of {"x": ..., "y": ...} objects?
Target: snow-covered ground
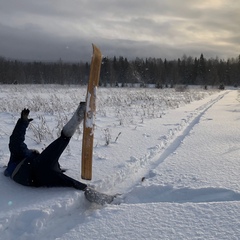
[{"x": 174, "y": 157}]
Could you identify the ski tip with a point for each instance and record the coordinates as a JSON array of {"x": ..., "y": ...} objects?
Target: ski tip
[{"x": 96, "y": 49}]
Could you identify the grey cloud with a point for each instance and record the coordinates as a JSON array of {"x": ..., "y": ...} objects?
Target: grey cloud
[
  {"x": 49, "y": 30},
  {"x": 33, "y": 45}
]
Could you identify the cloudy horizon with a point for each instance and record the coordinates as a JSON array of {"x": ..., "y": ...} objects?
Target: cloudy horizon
[{"x": 49, "y": 30}]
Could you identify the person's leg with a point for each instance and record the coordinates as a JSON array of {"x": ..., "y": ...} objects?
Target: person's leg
[
  {"x": 48, "y": 159},
  {"x": 57, "y": 179},
  {"x": 50, "y": 155},
  {"x": 71, "y": 126}
]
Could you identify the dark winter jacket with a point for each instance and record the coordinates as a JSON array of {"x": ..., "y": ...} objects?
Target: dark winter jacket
[{"x": 20, "y": 154}]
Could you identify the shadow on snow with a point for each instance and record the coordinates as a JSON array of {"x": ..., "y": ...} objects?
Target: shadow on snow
[{"x": 169, "y": 194}]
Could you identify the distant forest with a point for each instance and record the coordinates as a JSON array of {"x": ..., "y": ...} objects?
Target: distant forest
[{"x": 119, "y": 71}]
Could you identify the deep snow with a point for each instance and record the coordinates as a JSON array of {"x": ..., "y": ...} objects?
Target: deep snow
[{"x": 175, "y": 162}]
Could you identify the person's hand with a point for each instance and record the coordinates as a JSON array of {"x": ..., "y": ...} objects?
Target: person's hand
[{"x": 24, "y": 115}]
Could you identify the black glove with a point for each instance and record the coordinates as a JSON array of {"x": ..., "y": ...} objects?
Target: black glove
[{"x": 24, "y": 115}]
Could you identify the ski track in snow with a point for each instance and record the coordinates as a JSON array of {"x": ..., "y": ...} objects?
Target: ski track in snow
[{"x": 142, "y": 169}]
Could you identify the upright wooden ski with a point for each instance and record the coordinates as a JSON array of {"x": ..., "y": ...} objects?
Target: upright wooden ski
[{"x": 89, "y": 120}]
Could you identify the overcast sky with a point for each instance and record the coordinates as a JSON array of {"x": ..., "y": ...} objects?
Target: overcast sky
[{"x": 54, "y": 29}]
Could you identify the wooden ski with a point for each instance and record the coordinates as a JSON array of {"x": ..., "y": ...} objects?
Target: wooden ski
[{"x": 89, "y": 119}]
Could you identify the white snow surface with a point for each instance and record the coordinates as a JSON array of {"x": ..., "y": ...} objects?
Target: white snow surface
[{"x": 173, "y": 157}]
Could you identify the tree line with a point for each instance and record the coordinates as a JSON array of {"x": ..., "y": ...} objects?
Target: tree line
[{"x": 119, "y": 71}]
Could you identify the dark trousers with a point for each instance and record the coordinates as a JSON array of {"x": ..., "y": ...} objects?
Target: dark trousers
[{"x": 46, "y": 170}]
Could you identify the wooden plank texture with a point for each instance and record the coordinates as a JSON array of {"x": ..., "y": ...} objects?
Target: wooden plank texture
[{"x": 89, "y": 120}]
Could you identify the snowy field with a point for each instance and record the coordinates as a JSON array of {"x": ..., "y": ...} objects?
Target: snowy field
[{"x": 173, "y": 157}]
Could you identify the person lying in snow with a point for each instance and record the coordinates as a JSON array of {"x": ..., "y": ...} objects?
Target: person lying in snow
[{"x": 31, "y": 168}]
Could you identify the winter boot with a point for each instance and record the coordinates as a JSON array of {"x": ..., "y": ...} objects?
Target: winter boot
[
  {"x": 71, "y": 126},
  {"x": 96, "y": 197}
]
